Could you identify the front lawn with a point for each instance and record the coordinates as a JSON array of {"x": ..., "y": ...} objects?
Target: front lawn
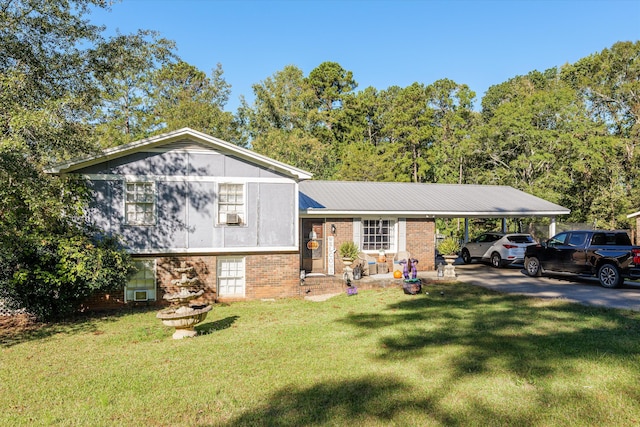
[{"x": 464, "y": 357}]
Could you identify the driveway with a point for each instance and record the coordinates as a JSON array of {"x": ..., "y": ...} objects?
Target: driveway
[{"x": 585, "y": 291}]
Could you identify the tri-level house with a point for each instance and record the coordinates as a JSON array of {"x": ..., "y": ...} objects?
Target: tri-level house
[
  {"x": 250, "y": 224},
  {"x": 188, "y": 197}
]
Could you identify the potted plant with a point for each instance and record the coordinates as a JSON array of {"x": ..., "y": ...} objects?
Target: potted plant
[
  {"x": 349, "y": 252},
  {"x": 449, "y": 248}
]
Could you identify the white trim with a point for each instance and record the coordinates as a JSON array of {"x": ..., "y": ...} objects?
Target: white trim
[
  {"x": 153, "y": 296},
  {"x": 183, "y": 178},
  {"x": 243, "y": 262},
  {"x": 212, "y": 250},
  {"x": 402, "y": 234},
  {"x": 244, "y": 220},
  {"x": 312, "y": 213},
  {"x": 126, "y": 222},
  {"x": 394, "y": 245}
]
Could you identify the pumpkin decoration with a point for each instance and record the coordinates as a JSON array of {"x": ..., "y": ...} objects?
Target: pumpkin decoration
[{"x": 397, "y": 274}]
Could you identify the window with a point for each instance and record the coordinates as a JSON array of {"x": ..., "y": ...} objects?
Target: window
[
  {"x": 142, "y": 286},
  {"x": 231, "y": 276},
  {"x": 378, "y": 234},
  {"x": 558, "y": 240},
  {"x": 231, "y": 204},
  {"x": 140, "y": 203}
]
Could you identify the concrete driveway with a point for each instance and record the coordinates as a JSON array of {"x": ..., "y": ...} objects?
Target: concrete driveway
[{"x": 581, "y": 290}]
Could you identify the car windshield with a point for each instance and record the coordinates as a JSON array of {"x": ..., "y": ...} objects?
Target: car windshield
[{"x": 521, "y": 238}]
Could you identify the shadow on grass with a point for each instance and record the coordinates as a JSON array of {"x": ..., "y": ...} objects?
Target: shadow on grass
[
  {"x": 477, "y": 334},
  {"x": 218, "y": 325},
  {"x": 327, "y": 404},
  {"x": 371, "y": 401},
  {"x": 510, "y": 331},
  {"x": 19, "y": 329}
]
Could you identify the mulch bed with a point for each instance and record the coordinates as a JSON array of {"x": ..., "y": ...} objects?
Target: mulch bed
[{"x": 17, "y": 324}]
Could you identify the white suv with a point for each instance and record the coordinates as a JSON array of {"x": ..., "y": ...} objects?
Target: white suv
[{"x": 498, "y": 248}]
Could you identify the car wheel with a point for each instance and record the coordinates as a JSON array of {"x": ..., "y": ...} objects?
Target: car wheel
[
  {"x": 466, "y": 256},
  {"x": 496, "y": 260},
  {"x": 609, "y": 276},
  {"x": 533, "y": 267}
]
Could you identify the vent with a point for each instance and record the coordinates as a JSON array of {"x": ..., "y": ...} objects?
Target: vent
[
  {"x": 140, "y": 295},
  {"x": 233, "y": 218}
]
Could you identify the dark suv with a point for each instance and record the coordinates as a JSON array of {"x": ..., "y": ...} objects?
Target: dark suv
[{"x": 608, "y": 255}]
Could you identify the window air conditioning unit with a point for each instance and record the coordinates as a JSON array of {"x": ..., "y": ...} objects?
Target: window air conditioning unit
[
  {"x": 233, "y": 218},
  {"x": 141, "y": 295}
]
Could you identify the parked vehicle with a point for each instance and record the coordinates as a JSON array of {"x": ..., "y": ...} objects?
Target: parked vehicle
[
  {"x": 498, "y": 248},
  {"x": 607, "y": 255}
]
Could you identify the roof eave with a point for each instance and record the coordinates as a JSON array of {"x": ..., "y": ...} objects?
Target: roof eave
[
  {"x": 124, "y": 150},
  {"x": 430, "y": 214}
]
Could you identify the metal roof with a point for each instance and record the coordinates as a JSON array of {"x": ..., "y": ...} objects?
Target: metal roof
[{"x": 321, "y": 198}]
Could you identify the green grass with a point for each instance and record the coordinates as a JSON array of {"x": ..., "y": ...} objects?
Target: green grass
[{"x": 469, "y": 357}]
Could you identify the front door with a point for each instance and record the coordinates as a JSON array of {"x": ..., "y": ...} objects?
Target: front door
[{"x": 312, "y": 246}]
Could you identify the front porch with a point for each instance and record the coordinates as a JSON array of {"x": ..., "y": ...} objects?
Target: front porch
[{"x": 316, "y": 285}]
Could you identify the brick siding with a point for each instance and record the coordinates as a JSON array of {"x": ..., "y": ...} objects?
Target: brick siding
[{"x": 273, "y": 275}]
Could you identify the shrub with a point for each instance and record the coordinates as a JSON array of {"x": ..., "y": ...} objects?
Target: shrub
[
  {"x": 51, "y": 277},
  {"x": 349, "y": 250},
  {"x": 449, "y": 246}
]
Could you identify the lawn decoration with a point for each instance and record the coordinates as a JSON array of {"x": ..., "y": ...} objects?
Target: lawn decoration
[
  {"x": 412, "y": 285},
  {"x": 181, "y": 315}
]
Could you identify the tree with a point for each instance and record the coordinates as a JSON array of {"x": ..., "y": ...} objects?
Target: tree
[
  {"x": 408, "y": 123},
  {"x": 454, "y": 121},
  {"x": 47, "y": 92},
  {"x": 183, "y": 96},
  {"x": 281, "y": 102},
  {"x": 610, "y": 83},
  {"x": 124, "y": 73}
]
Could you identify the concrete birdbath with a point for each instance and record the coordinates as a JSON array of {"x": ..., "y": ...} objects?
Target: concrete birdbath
[{"x": 181, "y": 315}]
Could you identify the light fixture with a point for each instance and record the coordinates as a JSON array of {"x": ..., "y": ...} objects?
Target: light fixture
[{"x": 333, "y": 229}]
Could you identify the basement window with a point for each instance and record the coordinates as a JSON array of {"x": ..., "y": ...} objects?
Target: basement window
[
  {"x": 142, "y": 285},
  {"x": 231, "y": 276}
]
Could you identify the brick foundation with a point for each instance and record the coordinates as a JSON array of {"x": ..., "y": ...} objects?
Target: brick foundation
[
  {"x": 266, "y": 276},
  {"x": 272, "y": 275}
]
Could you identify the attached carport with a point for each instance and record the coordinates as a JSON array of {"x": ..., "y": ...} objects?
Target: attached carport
[
  {"x": 332, "y": 212},
  {"x": 426, "y": 200}
]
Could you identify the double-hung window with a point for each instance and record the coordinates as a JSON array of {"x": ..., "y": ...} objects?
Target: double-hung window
[
  {"x": 231, "y": 277},
  {"x": 140, "y": 203},
  {"x": 142, "y": 285},
  {"x": 231, "y": 205},
  {"x": 378, "y": 234}
]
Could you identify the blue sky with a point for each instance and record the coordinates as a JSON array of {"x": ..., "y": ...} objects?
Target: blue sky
[{"x": 384, "y": 43}]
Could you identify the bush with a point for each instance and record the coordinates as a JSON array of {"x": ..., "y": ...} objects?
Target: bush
[{"x": 51, "y": 277}]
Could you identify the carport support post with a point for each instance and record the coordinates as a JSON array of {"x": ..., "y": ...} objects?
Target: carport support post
[
  {"x": 504, "y": 225},
  {"x": 552, "y": 227},
  {"x": 466, "y": 230}
]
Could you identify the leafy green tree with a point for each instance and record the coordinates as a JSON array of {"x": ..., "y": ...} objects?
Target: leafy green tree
[
  {"x": 124, "y": 68},
  {"x": 47, "y": 93},
  {"x": 610, "y": 81},
  {"x": 281, "y": 102}
]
